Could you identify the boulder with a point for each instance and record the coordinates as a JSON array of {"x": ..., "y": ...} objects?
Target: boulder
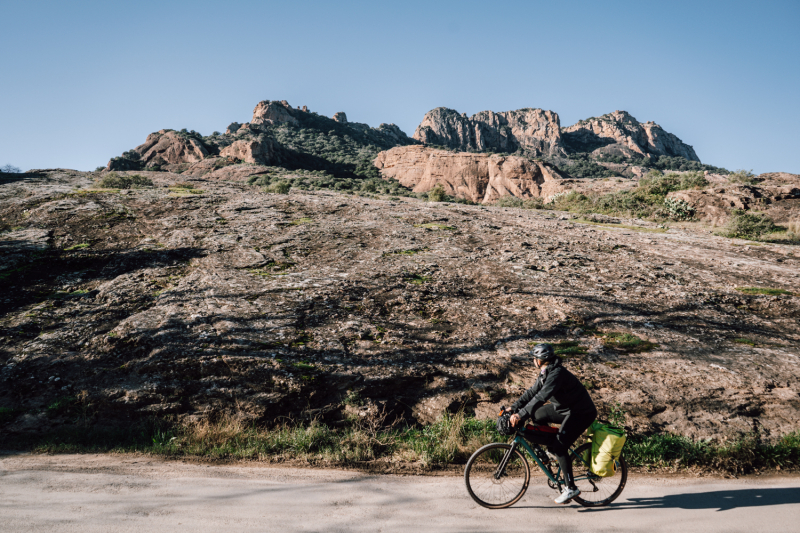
[
  {"x": 534, "y": 131},
  {"x": 480, "y": 178},
  {"x": 340, "y": 117},
  {"x": 261, "y": 151},
  {"x": 624, "y": 135}
]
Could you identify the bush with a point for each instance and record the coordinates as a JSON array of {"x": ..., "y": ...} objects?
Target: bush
[
  {"x": 748, "y": 225},
  {"x": 279, "y": 187},
  {"x": 647, "y": 199},
  {"x": 10, "y": 169},
  {"x": 437, "y": 194},
  {"x": 679, "y": 209},
  {"x": 112, "y": 180},
  {"x": 743, "y": 176}
]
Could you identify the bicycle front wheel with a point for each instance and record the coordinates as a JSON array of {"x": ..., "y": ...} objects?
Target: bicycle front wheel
[
  {"x": 597, "y": 491},
  {"x": 490, "y": 487}
]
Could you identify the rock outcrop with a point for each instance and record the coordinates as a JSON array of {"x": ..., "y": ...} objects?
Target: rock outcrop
[
  {"x": 778, "y": 196},
  {"x": 480, "y": 178},
  {"x": 165, "y": 147},
  {"x": 267, "y": 112},
  {"x": 340, "y": 117},
  {"x": 261, "y": 151},
  {"x": 618, "y": 133},
  {"x": 533, "y": 131}
]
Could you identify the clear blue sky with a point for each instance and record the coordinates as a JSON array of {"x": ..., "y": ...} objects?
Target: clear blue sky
[{"x": 84, "y": 81}]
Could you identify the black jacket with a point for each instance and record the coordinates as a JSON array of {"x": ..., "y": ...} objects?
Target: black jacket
[{"x": 561, "y": 388}]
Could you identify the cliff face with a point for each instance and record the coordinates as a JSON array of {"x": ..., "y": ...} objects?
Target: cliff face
[
  {"x": 477, "y": 177},
  {"x": 534, "y": 130},
  {"x": 618, "y": 133},
  {"x": 538, "y": 133}
]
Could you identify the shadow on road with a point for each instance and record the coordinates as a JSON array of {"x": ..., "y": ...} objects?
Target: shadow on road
[{"x": 721, "y": 500}]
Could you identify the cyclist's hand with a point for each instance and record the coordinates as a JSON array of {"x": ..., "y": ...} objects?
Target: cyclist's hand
[{"x": 514, "y": 420}]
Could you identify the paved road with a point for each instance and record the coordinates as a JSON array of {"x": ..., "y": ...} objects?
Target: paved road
[{"x": 88, "y": 493}]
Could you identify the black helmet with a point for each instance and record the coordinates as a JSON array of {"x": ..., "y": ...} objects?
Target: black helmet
[{"x": 544, "y": 352}]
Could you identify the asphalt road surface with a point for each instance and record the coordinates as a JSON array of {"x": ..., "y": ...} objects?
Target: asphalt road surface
[{"x": 108, "y": 493}]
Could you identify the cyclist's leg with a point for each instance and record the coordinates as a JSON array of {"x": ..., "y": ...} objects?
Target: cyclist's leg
[
  {"x": 573, "y": 425},
  {"x": 544, "y": 415}
]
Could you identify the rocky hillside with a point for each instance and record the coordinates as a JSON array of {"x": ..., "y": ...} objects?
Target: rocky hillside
[
  {"x": 198, "y": 297},
  {"x": 279, "y": 136}
]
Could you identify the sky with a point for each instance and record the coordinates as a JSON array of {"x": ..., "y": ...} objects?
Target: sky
[{"x": 84, "y": 81}]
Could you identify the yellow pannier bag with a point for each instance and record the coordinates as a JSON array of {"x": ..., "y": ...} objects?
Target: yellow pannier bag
[{"x": 607, "y": 443}]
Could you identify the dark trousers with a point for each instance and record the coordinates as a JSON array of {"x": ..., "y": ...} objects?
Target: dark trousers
[{"x": 572, "y": 426}]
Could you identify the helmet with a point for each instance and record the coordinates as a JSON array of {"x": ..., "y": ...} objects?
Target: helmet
[{"x": 544, "y": 352}]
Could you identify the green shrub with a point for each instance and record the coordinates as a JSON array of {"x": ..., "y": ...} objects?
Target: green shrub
[
  {"x": 437, "y": 194},
  {"x": 112, "y": 180},
  {"x": 645, "y": 200},
  {"x": 748, "y": 225},
  {"x": 743, "y": 176},
  {"x": 679, "y": 209},
  {"x": 279, "y": 187}
]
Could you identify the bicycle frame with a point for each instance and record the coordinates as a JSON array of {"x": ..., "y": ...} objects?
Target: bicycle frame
[{"x": 555, "y": 478}]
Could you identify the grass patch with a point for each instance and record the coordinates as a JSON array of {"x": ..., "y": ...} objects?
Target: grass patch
[
  {"x": 448, "y": 441},
  {"x": 77, "y": 247},
  {"x": 435, "y": 226},
  {"x": 766, "y": 291},
  {"x": 748, "y": 225},
  {"x": 416, "y": 279},
  {"x": 301, "y": 221},
  {"x": 303, "y": 365},
  {"x": 566, "y": 349},
  {"x": 625, "y": 342},
  {"x": 742, "y": 340},
  {"x": 741, "y": 455}
]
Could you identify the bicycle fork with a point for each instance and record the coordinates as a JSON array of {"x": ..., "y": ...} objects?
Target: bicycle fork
[{"x": 501, "y": 468}]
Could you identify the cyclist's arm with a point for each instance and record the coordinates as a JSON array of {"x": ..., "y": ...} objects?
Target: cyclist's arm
[
  {"x": 526, "y": 397},
  {"x": 541, "y": 395}
]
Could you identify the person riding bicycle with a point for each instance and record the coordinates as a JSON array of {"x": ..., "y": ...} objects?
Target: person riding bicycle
[{"x": 570, "y": 405}]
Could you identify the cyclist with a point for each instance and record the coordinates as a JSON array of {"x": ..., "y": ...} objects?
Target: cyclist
[{"x": 570, "y": 405}]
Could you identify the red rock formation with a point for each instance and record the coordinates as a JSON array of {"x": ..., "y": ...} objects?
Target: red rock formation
[
  {"x": 477, "y": 177},
  {"x": 618, "y": 133},
  {"x": 533, "y": 130},
  {"x": 165, "y": 147}
]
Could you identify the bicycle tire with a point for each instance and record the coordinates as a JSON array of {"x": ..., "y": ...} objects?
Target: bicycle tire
[
  {"x": 597, "y": 491},
  {"x": 484, "y": 488}
]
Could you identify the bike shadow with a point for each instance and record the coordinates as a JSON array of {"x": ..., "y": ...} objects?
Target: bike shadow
[{"x": 721, "y": 500}]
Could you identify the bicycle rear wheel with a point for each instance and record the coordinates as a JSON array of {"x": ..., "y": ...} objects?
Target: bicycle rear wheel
[
  {"x": 493, "y": 489},
  {"x": 597, "y": 491}
]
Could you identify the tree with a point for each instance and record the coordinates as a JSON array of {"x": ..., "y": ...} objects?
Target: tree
[{"x": 10, "y": 169}]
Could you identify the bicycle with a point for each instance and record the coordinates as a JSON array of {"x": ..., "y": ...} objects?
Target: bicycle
[{"x": 497, "y": 475}]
